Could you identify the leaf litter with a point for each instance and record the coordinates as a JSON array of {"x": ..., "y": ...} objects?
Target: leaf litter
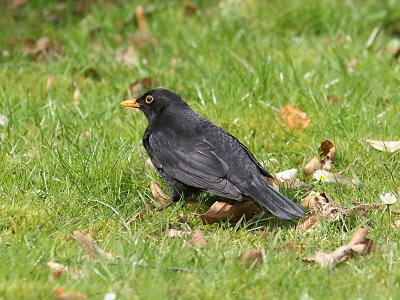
[
  {"x": 223, "y": 211},
  {"x": 86, "y": 242},
  {"x": 251, "y": 258},
  {"x": 391, "y": 146},
  {"x": 294, "y": 117},
  {"x": 359, "y": 244}
]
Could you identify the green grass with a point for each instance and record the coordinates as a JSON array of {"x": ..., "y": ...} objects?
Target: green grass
[{"x": 236, "y": 63}]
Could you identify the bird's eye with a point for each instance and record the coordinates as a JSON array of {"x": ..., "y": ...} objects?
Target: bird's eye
[{"x": 149, "y": 99}]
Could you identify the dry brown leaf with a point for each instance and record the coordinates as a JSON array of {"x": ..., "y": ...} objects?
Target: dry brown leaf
[
  {"x": 384, "y": 146},
  {"x": 144, "y": 84},
  {"x": 327, "y": 154},
  {"x": 85, "y": 241},
  {"x": 309, "y": 224},
  {"x": 158, "y": 195},
  {"x": 61, "y": 295},
  {"x": 182, "y": 219},
  {"x": 313, "y": 165},
  {"x": 325, "y": 259},
  {"x": 198, "y": 239},
  {"x": 289, "y": 246},
  {"x": 360, "y": 243},
  {"x": 294, "y": 117},
  {"x": 324, "y": 206},
  {"x": 142, "y": 21},
  {"x": 398, "y": 191},
  {"x": 222, "y": 211},
  {"x": 251, "y": 258},
  {"x": 190, "y": 7},
  {"x": 126, "y": 56},
  {"x": 57, "y": 269},
  {"x": 15, "y": 4},
  {"x": 41, "y": 48}
]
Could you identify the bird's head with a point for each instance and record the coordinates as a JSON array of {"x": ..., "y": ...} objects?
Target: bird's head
[{"x": 154, "y": 102}]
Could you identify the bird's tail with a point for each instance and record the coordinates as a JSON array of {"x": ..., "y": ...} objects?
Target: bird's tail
[{"x": 277, "y": 203}]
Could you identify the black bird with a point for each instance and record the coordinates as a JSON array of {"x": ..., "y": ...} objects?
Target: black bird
[{"x": 192, "y": 154}]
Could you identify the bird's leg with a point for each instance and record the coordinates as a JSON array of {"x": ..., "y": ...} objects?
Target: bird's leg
[{"x": 175, "y": 196}]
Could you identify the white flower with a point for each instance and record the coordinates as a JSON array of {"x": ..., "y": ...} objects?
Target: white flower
[
  {"x": 321, "y": 175},
  {"x": 388, "y": 198},
  {"x": 314, "y": 194}
]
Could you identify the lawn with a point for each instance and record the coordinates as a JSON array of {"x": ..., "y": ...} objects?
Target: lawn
[{"x": 72, "y": 160}]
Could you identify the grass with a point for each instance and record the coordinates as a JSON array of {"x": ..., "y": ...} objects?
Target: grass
[{"x": 236, "y": 63}]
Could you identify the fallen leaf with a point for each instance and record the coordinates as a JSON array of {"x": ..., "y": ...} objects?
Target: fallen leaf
[
  {"x": 57, "y": 269},
  {"x": 15, "y": 4},
  {"x": 327, "y": 208},
  {"x": 289, "y": 246},
  {"x": 313, "y": 165},
  {"x": 158, "y": 195},
  {"x": 325, "y": 259},
  {"x": 143, "y": 85},
  {"x": 285, "y": 175},
  {"x": 182, "y": 219},
  {"x": 327, "y": 154},
  {"x": 172, "y": 233},
  {"x": 3, "y": 120},
  {"x": 61, "y": 295},
  {"x": 222, "y": 211},
  {"x": 309, "y": 224},
  {"x": 190, "y": 7},
  {"x": 198, "y": 239},
  {"x": 41, "y": 48},
  {"x": 294, "y": 117},
  {"x": 343, "y": 179},
  {"x": 285, "y": 179},
  {"x": 126, "y": 56},
  {"x": 398, "y": 191},
  {"x": 251, "y": 258},
  {"x": 384, "y": 146},
  {"x": 359, "y": 243},
  {"x": 85, "y": 241},
  {"x": 141, "y": 21}
]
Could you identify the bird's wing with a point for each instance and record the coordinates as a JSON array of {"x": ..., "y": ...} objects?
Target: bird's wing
[{"x": 192, "y": 162}]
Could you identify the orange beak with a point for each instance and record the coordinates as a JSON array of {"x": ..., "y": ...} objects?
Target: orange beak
[{"x": 130, "y": 103}]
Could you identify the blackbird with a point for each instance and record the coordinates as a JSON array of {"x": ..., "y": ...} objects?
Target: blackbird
[{"x": 192, "y": 154}]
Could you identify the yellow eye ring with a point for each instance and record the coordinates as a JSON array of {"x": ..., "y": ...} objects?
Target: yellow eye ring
[{"x": 149, "y": 99}]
